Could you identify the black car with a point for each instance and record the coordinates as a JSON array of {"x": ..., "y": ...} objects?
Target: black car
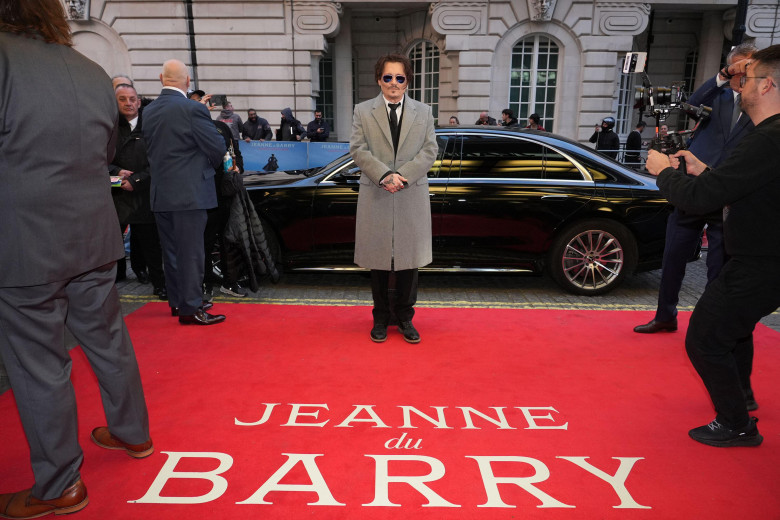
[{"x": 501, "y": 200}]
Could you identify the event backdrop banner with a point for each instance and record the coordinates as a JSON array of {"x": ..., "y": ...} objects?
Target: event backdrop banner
[{"x": 261, "y": 155}]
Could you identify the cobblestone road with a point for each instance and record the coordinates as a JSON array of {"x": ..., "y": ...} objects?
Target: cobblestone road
[{"x": 513, "y": 290}]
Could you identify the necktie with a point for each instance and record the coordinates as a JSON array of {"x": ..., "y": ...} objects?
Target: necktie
[
  {"x": 737, "y": 111},
  {"x": 394, "y": 124},
  {"x": 393, "y": 118}
]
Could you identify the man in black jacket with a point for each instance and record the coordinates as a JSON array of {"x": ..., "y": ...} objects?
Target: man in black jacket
[
  {"x": 290, "y": 129},
  {"x": 318, "y": 130},
  {"x": 607, "y": 141},
  {"x": 131, "y": 198},
  {"x": 634, "y": 146},
  {"x": 256, "y": 128},
  {"x": 719, "y": 341}
]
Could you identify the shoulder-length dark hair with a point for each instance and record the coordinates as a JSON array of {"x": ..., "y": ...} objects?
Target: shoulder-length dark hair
[
  {"x": 44, "y": 18},
  {"x": 379, "y": 68}
]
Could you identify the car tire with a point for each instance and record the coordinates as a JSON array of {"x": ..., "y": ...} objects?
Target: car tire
[
  {"x": 273, "y": 243},
  {"x": 592, "y": 257}
]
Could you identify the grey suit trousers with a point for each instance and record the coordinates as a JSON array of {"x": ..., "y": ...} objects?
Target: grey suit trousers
[{"x": 32, "y": 345}]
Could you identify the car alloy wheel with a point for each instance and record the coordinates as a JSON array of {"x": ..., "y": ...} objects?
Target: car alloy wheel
[{"x": 592, "y": 257}]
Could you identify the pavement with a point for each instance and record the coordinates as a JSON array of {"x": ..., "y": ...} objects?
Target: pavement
[{"x": 484, "y": 290}]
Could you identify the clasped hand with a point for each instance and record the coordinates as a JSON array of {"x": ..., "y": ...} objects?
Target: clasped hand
[{"x": 393, "y": 182}]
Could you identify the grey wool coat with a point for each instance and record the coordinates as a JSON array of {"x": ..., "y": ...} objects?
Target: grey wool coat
[{"x": 393, "y": 226}]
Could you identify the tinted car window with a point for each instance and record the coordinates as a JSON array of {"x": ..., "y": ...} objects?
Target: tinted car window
[
  {"x": 441, "y": 167},
  {"x": 558, "y": 167},
  {"x": 496, "y": 157},
  {"x": 500, "y": 157}
]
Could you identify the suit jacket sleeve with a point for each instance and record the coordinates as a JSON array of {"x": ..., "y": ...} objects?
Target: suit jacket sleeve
[
  {"x": 206, "y": 135},
  {"x": 706, "y": 93}
]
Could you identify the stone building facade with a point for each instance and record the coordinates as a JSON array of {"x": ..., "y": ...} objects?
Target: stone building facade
[{"x": 559, "y": 58}]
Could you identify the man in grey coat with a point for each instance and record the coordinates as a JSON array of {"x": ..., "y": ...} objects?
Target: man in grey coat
[
  {"x": 394, "y": 143},
  {"x": 59, "y": 246}
]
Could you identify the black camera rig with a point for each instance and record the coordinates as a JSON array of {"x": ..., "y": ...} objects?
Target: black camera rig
[{"x": 660, "y": 102}]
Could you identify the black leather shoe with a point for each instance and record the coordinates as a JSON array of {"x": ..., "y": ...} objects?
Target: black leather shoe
[
  {"x": 206, "y": 306},
  {"x": 410, "y": 333},
  {"x": 142, "y": 277},
  {"x": 379, "y": 332},
  {"x": 201, "y": 317},
  {"x": 161, "y": 293},
  {"x": 716, "y": 434},
  {"x": 657, "y": 326}
]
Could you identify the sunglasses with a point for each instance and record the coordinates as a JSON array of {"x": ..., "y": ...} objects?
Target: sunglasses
[{"x": 387, "y": 78}]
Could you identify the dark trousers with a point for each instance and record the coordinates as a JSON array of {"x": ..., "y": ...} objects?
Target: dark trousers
[
  {"x": 32, "y": 345},
  {"x": 719, "y": 341},
  {"x": 682, "y": 238},
  {"x": 405, "y": 294},
  {"x": 146, "y": 252},
  {"x": 181, "y": 238},
  {"x": 215, "y": 231}
]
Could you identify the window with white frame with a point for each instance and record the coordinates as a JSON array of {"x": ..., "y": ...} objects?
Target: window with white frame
[
  {"x": 625, "y": 109},
  {"x": 424, "y": 87},
  {"x": 533, "y": 79},
  {"x": 325, "y": 100}
]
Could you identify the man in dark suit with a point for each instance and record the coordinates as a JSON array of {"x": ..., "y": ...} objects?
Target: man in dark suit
[
  {"x": 59, "y": 246},
  {"x": 634, "y": 146},
  {"x": 712, "y": 143},
  {"x": 719, "y": 341},
  {"x": 394, "y": 143},
  {"x": 184, "y": 147},
  {"x": 131, "y": 197}
]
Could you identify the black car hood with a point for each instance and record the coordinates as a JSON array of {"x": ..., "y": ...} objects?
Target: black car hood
[{"x": 272, "y": 179}]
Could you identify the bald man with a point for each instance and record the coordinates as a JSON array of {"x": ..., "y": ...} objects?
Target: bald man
[{"x": 184, "y": 147}]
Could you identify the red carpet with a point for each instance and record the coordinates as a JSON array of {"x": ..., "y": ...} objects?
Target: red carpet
[{"x": 608, "y": 410}]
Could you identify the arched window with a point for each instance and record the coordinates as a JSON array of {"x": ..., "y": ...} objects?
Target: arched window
[
  {"x": 534, "y": 79},
  {"x": 425, "y": 84}
]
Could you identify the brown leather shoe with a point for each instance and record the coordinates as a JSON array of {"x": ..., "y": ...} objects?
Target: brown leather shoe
[
  {"x": 23, "y": 505},
  {"x": 103, "y": 438},
  {"x": 657, "y": 326}
]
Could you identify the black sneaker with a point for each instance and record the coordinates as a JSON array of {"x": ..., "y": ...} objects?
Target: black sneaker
[
  {"x": 234, "y": 290},
  {"x": 715, "y": 434}
]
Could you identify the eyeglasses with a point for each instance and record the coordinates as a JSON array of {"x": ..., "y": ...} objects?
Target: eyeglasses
[
  {"x": 744, "y": 79},
  {"x": 387, "y": 78}
]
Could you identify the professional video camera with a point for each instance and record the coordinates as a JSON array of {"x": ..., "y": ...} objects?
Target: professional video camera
[{"x": 660, "y": 102}]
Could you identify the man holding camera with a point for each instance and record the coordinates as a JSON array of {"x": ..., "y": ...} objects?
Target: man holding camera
[
  {"x": 719, "y": 341},
  {"x": 712, "y": 143}
]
